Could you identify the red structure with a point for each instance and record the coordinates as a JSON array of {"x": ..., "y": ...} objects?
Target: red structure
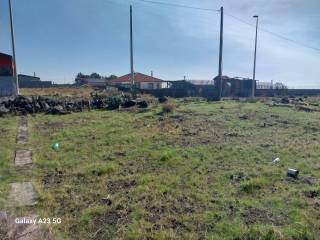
[
  {"x": 6, "y": 65},
  {"x": 141, "y": 81}
]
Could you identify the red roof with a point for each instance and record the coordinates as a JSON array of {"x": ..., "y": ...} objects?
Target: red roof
[
  {"x": 5, "y": 60},
  {"x": 138, "y": 77}
]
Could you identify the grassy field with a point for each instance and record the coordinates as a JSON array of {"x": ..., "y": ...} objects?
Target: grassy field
[
  {"x": 83, "y": 92},
  {"x": 204, "y": 171},
  {"x": 8, "y": 131}
]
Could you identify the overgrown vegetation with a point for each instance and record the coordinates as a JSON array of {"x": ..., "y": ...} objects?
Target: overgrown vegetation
[
  {"x": 8, "y": 129},
  {"x": 200, "y": 172}
]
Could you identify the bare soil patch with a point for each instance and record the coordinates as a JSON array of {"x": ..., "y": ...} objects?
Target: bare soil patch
[
  {"x": 256, "y": 215},
  {"x": 120, "y": 186}
]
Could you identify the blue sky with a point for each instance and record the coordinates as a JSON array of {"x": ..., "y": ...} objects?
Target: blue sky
[{"x": 57, "y": 39}]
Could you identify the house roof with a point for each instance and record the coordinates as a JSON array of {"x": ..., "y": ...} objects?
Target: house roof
[
  {"x": 5, "y": 55},
  {"x": 138, "y": 77},
  {"x": 5, "y": 60}
]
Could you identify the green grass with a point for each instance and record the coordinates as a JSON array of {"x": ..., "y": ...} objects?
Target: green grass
[
  {"x": 201, "y": 172},
  {"x": 8, "y": 133}
]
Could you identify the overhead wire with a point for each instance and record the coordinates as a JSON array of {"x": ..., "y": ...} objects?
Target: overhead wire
[
  {"x": 273, "y": 33},
  {"x": 178, "y": 5},
  {"x": 235, "y": 18}
]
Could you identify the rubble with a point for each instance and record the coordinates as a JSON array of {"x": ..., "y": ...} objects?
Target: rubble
[{"x": 21, "y": 105}]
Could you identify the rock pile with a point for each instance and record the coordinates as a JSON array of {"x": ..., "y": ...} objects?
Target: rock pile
[
  {"x": 24, "y": 105},
  {"x": 58, "y": 106}
]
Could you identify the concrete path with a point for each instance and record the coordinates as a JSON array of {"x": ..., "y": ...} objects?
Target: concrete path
[
  {"x": 23, "y": 158},
  {"x": 22, "y": 136},
  {"x": 10, "y": 230},
  {"x": 22, "y": 194}
]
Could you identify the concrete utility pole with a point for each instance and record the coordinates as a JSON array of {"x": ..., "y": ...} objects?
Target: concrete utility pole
[
  {"x": 220, "y": 53},
  {"x": 255, "y": 58},
  {"x": 14, "y": 65},
  {"x": 131, "y": 52}
]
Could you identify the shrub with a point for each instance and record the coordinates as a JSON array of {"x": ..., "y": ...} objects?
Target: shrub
[
  {"x": 162, "y": 99},
  {"x": 142, "y": 104},
  {"x": 168, "y": 107},
  {"x": 113, "y": 103},
  {"x": 128, "y": 104}
]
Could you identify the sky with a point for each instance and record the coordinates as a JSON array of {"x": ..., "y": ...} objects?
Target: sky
[{"x": 57, "y": 39}]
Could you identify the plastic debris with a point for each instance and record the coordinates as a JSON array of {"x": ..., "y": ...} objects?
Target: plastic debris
[
  {"x": 55, "y": 146},
  {"x": 276, "y": 160},
  {"x": 292, "y": 173}
]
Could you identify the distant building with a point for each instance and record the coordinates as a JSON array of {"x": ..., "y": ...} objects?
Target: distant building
[
  {"x": 235, "y": 87},
  {"x": 93, "y": 82},
  {"x": 7, "y": 81},
  {"x": 26, "y": 81},
  {"x": 201, "y": 82},
  {"x": 141, "y": 81}
]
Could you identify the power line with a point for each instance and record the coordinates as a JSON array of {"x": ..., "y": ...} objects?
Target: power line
[
  {"x": 274, "y": 34},
  {"x": 179, "y": 5},
  {"x": 234, "y": 17}
]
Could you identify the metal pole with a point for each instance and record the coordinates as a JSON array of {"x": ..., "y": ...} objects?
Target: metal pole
[
  {"x": 255, "y": 58},
  {"x": 14, "y": 65},
  {"x": 131, "y": 52},
  {"x": 220, "y": 53}
]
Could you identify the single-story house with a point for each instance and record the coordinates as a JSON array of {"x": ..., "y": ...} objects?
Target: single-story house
[
  {"x": 27, "y": 81},
  {"x": 141, "y": 81}
]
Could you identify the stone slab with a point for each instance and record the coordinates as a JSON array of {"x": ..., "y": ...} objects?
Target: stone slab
[
  {"x": 22, "y": 194},
  {"x": 22, "y": 136},
  {"x": 23, "y": 158},
  {"x": 3, "y": 226},
  {"x": 22, "y": 231}
]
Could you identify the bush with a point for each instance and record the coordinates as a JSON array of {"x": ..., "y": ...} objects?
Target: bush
[
  {"x": 142, "y": 104},
  {"x": 128, "y": 104},
  {"x": 162, "y": 99},
  {"x": 113, "y": 103},
  {"x": 168, "y": 107}
]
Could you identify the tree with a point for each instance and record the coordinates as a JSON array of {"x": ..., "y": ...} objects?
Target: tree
[
  {"x": 95, "y": 75},
  {"x": 79, "y": 77},
  {"x": 111, "y": 77}
]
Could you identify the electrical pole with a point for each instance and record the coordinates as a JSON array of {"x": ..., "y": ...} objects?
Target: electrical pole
[
  {"x": 131, "y": 53},
  {"x": 14, "y": 65},
  {"x": 220, "y": 53},
  {"x": 255, "y": 58}
]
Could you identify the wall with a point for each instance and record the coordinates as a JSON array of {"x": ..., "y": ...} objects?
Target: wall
[
  {"x": 146, "y": 85},
  {"x": 7, "y": 86},
  {"x": 288, "y": 92}
]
